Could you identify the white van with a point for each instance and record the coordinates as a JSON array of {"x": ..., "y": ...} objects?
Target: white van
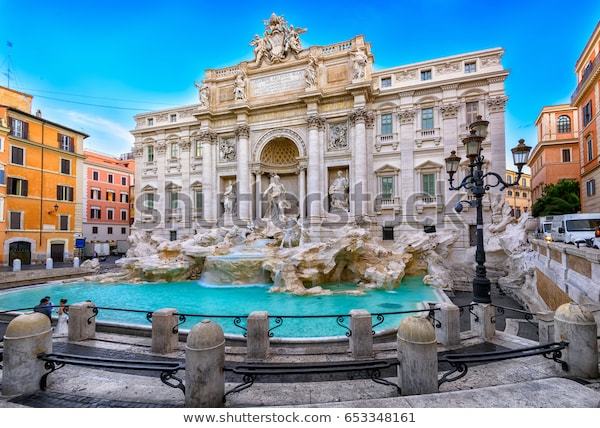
[
  {"x": 572, "y": 228},
  {"x": 545, "y": 227}
]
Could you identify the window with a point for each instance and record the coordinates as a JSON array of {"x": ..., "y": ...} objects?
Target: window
[
  {"x": 150, "y": 154},
  {"x": 517, "y": 194},
  {"x": 150, "y": 201},
  {"x": 110, "y": 214},
  {"x": 64, "y": 193},
  {"x": 387, "y": 187},
  {"x": 18, "y": 128},
  {"x": 94, "y": 229},
  {"x": 65, "y": 166},
  {"x": 1, "y": 175},
  {"x": 386, "y": 82},
  {"x": 472, "y": 110},
  {"x": 198, "y": 149},
  {"x": 109, "y": 230},
  {"x": 124, "y": 198},
  {"x": 388, "y": 233},
  {"x": 95, "y": 175},
  {"x": 63, "y": 223},
  {"x": 587, "y": 113},
  {"x": 524, "y": 194},
  {"x": 509, "y": 179},
  {"x": 95, "y": 194},
  {"x": 427, "y": 118},
  {"x": 510, "y": 193},
  {"x": 66, "y": 143},
  {"x": 123, "y": 231},
  {"x": 198, "y": 199},
  {"x": 524, "y": 182},
  {"x": 110, "y": 178},
  {"x": 173, "y": 150},
  {"x": 124, "y": 215},
  {"x": 173, "y": 235},
  {"x": 150, "y": 121},
  {"x": 1, "y": 209},
  {"x": 590, "y": 187},
  {"x": 173, "y": 118},
  {"x": 470, "y": 67},
  {"x": 123, "y": 181},
  {"x": 563, "y": 125},
  {"x": 173, "y": 200},
  {"x": 15, "y": 220},
  {"x": 110, "y": 196},
  {"x": 566, "y": 155},
  {"x": 16, "y": 186},
  {"x": 17, "y": 155},
  {"x": 590, "y": 149},
  {"x": 386, "y": 124},
  {"x": 426, "y": 74},
  {"x": 429, "y": 184},
  {"x": 95, "y": 213}
]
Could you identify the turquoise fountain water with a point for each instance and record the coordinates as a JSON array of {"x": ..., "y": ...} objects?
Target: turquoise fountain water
[{"x": 190, "y": 297}]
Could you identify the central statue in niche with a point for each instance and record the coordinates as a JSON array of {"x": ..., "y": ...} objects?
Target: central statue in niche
[
  {"x": 276, "y": 202},
  {"x": 338, "y": 192}
]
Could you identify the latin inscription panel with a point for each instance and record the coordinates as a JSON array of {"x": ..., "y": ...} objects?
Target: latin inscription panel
[{"x": 276, "y": 83}]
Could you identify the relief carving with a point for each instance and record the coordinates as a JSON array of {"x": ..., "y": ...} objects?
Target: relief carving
[{"x": 338, "y": 136}]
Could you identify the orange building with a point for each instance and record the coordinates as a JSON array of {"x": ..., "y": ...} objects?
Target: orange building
[
  {"x": 586, "y": 99},
  {"x": 556, "y": 155},
  {"x": 519, "y": 196},
  {"x": 43, "y": 181},
  {"x": 107, "y": 211}
]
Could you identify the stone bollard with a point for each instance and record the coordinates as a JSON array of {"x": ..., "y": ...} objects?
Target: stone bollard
[
  {"x": 257, "y": 336},
  {"x": 82, "y": 321},
  {"x": 49, "y": 263},
  {"x": 574, "y": 324},
  {"x": 482, "y": 320},
  {"x": 165, "y": 335},
  {"x": 417, "y": 353},
  {"x": 16, "y": 265},
  {"x": 25, "y": 338},
  {"x": 76, "y": 262},
  {"x": 361, "y": 341},
  {"x": 449, "y": 317},
  {"x": 545, "y": 327},
  {"x": 204, "y": 362}
]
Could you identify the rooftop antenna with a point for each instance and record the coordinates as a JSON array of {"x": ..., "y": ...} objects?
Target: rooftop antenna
[{"x": 7, "y": 73}]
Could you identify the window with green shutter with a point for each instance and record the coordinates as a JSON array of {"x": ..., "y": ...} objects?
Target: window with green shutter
[{"x": 429, "y": 184}]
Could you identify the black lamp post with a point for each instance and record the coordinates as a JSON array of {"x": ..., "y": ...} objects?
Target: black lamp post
[{"x": 475, "y": 182}]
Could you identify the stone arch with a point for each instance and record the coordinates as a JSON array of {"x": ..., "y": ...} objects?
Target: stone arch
[
  {"x": 282, "y": 133},
  {"x": 32, "y": 248}
]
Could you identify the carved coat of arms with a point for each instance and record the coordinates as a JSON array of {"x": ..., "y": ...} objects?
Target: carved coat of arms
[{"x": 278, "y": 40}]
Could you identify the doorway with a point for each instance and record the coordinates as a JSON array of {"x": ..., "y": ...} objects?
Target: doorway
[
  {"x": 57, "y": 252},
  {"x": 19, "y": 250}
]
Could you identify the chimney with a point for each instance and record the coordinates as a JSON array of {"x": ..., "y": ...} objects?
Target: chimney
[{"x": 38, "y": 113}]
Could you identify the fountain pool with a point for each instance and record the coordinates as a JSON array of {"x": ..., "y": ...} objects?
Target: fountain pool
[{"x": 190, "y": 297}]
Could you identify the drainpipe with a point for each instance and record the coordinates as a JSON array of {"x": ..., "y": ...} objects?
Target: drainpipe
[{"x": 41, "y": 191}]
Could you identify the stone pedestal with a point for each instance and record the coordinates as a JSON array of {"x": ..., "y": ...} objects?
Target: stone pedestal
[
  {"x": 204, "y": 361},
  {"x": 25, "y": 338},
  {"x": 16, "y": 265},
  {"x": 545, "y": 327},
  {"x": 49, "y": 263},
  {"x": 482, "y": 320},
  {"x": 361, "y": 341},
  {"x": 257, "y": 336},
  {"x": 82, "y": 322},
  {"x": 76, "y": 262},
  {"x": 417, "y": 353},
  {"x": 165, "y": 335},
  {"x": 449, "y": 317},
  {"x": 574, "y": 324}
]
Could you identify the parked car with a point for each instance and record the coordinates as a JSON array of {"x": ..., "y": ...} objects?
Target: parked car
[{"x": 575, "y": 228}]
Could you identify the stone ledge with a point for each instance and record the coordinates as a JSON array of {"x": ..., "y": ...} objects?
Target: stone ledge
[{"x": 39, "y": 276}]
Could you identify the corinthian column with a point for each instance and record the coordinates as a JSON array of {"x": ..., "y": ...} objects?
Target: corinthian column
[
  {"x": 360, "y": 118},
  {"x": 243, "y": 175},
  {"x": 208, "y": 207},
  {"x": 314, "y": 178}
]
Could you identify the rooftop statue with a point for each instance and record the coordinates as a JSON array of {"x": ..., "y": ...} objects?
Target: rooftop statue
[{"x": 278, "y": 41}]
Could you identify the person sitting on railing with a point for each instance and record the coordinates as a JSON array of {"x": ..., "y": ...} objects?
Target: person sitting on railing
[{"x": 44, "y": 307}]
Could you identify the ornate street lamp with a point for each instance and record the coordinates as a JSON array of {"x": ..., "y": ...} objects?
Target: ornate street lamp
[{"x": 475, "y": 182}]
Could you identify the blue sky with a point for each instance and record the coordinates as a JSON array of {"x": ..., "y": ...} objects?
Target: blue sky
[{"x": 140, "y": 56}]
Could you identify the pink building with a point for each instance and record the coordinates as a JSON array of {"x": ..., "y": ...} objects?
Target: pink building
[{"x": 107, "y": 216}]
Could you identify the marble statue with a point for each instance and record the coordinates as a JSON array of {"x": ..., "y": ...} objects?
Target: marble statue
[
  {"x": 293, "y": 39},
  {"x": 260, "y": 48},
  {"x": 338, "y": 137},
  {"x": 278, "y": 40},
  {"x": 311, "y": 73},
  {"x": 276, "y": 202},
  {"x": 291, "y": 230},
  {"x": 501, "y": 213},
  {"x": 338, "y": 192},
  {"x": 202, "y": 94},
  {"x": 227, "y": 149},
  {"x": 239, "y": 88},
  {"x": 359, "y": 65},
  {"x": 229, "y": 197}
]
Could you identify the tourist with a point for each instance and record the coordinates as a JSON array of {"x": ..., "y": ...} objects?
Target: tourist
[
  {"x": 62, "y": 328},
  {"x": 44, "y": 307}
]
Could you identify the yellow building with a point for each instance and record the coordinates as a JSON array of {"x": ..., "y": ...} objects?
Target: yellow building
[
  {"x": 42, "y": 183},
  {"x": 519, "y": 196}
]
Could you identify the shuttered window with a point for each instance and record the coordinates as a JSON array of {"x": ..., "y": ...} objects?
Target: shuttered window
[
  {"x": 64, "y": 193},
  {"x": 15, "y": 220},
  {"x": 16, "y": 186},
  {"x": 65, "y": 166},
  {"x": 64, "y": 222},
  {"x": 66, "y": 143},
  {"x": 17, "y": 155},
  {"x": 18, "y": 128}
]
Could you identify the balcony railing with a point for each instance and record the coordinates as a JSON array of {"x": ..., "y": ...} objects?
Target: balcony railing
[
  {"x": 386, "y": 202},
  {"x": 386, "y": 139},
  {"x": 430, "y": 133},
  {"x": 587, "y": 73}
]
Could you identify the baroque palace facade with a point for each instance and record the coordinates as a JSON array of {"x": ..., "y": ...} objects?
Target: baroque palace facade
[{"x": 349, "y": 143}]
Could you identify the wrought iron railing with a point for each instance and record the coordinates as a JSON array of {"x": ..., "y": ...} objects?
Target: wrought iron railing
[{"x": 528, "y": 316}]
